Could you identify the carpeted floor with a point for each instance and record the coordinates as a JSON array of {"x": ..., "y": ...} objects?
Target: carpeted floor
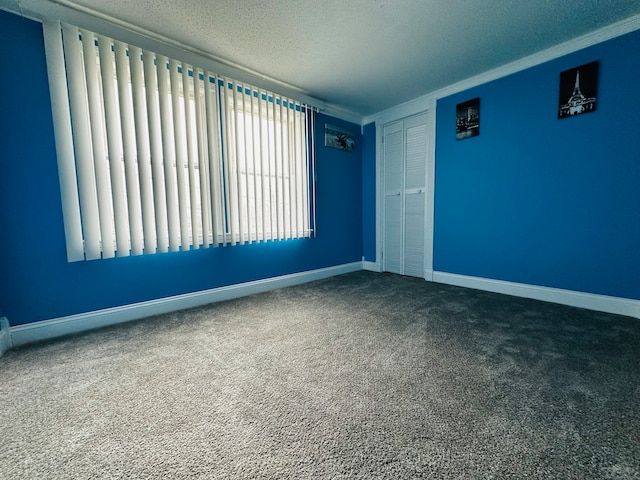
[{"x": 364, "y": 376}]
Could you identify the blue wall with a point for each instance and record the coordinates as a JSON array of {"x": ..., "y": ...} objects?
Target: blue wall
[
  {"x": 37, "y": 283},
  {"x": 543, "y": 201}
]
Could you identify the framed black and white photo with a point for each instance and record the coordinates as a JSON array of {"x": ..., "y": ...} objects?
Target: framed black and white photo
[
  {"x": 336, "y": 137},
  {"x": 468, "y": 119},
  {"x": 578, "y": 90}
]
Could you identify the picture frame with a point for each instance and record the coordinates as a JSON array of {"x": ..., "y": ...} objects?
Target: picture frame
[
  {"x": 468, "y": 119},
  {"x": 340, "y": 138},
  {"x": 578, "y": 90}
]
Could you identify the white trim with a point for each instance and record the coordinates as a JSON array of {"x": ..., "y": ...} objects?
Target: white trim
[
  {"x": 5, "y": 336},
  {"x": 342, "y": 113},
  {"x": 430, "y": 187},
  {"x": 602, "y": 303},
  {"x": 47, "y": 329},
  {"x": 404, "y": 110},
  {"x": 422, "y": 103},
  {"x": 372, "y": 266},
  {"x": 85, "y": 17},
  {"x": 426, "y": 102},
  {"x": 428, "y": 275},
  {"x": 379, "y": 193}
]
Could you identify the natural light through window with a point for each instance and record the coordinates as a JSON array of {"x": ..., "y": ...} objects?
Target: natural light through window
[{"x": 158, "y": 155}]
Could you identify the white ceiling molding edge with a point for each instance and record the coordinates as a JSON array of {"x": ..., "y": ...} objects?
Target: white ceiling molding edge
[
  {"x": 68, "y": 12},
  {"x": 421, "y": 103}
]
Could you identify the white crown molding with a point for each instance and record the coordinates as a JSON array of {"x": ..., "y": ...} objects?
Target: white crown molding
[
  {"x": 82, "y": 16},
  {"x": 601, "y": 303},
  {"x": 342, "y": 113},
  {"x": 419, "y": 104},
  {"x": 47, "y": 329},
  {"x": 406, "y": 109},
  {"x": 70, "y": 12}
]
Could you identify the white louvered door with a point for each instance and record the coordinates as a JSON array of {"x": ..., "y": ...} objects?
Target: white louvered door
[
  {"x": 393, "y": 180},
  {"x": 405, "y": 171}
]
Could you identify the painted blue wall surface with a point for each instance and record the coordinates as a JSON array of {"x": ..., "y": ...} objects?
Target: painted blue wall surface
[
  {"x": 369, "y": 192},
  {"x": 543, "y": 201},
  {"x": 37, "y": 282}
]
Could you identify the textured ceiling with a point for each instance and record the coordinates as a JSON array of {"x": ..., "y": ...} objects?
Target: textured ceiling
[{"x": 365, "y": 56}]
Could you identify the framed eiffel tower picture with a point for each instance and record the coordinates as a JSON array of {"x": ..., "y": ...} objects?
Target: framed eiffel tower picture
[{"x": 578, "y": 90}]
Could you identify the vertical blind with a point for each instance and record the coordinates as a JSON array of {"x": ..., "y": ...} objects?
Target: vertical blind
[{"x": 157, "y": 155}]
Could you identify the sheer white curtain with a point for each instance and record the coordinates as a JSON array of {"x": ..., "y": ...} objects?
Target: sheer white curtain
[{"x": 158, "y": 155}]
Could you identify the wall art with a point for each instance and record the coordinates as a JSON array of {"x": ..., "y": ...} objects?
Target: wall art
[
  {"x": 578, "y": 90},
  {"x": 468, "y": 119},
  {"x": 336, "y": 137}
]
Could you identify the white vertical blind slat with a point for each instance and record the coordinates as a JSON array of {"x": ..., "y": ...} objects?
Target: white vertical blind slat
[
  {"x": 310, "y": 172},
  {"x": 238, "y": 164},
  {"x": 311, "y": 154},
  {"x": 192, "y": 152},
  {"x": 233, "y": 163},
  {"x": 64, "y": 140},
  {"x": 96, "y": 118},
  {"x": 180, "y": 151},
  {"x": 157, "y": 154},
  {"x": 273, "y": 170},
  {"x": 293, "y": 151},
  {"x": 243, "y": 118},
  {"x": 128, "y": 137},
  {"x": 82, "y": 143},
  {"x": 306, "y": 181},
  {"x": 299, "y": 169},
  {"x": 143, "y": 148},
  {"x": 306, "y": 185},
  {"x": 306, "y": 169},
  {"x": 168, "y": 153},
  {"x": 114, "y": 145},
  {"x": 255, "y": 156},
  {"x": 286, "y": 166},
  {"x": 215, "y": 185},
  {"x": 286, "y": 218},
  {"x": 264, "y": 167},
  {"x": 203, "y": 164},
  {"x": 227, "y": 123},
  {"x": 277, "y": 156}
]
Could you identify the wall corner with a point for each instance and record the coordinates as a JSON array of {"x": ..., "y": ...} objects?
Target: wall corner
[{"x": 5, "y": 336}]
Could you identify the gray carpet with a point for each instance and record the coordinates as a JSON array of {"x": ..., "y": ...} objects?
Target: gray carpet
[{"x": 361, "y": 376}]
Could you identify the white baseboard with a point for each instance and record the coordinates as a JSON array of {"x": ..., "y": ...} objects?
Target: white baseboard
[
  {"x": 47, "y": 329},
  {"x": 5, "y": 336},
  {"x": 371, "y": 266},
  {"x": 601, "y": 303}
]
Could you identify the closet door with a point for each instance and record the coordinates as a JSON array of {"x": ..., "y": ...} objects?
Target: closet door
[
  {"x": 415, "y": 195},
  {"x": 393, "y": 180},
  {"x": 405, "y": 163}
]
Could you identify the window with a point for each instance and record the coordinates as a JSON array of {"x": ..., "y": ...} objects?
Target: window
[{"x": 158, "y": 155}]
